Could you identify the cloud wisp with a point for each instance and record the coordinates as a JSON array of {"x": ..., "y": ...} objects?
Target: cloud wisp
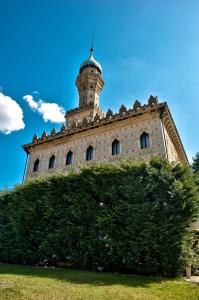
[
  {"x": 29, "y": 99},
  {"x": 51, "y": 112},
  {"x": 11, "y": 115}
]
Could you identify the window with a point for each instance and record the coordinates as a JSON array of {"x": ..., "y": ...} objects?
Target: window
[
  {"x": 144, "y": 140},
  {"x": 115, "y": 147},
  {"x": 51, "y": 162},
  {"x": 89, "y": 153},
  {"x": 36, "y": 165},
  {"x": 69, "y": 158}
]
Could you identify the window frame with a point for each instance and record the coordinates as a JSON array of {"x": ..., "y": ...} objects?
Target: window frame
[
  {"x": 116, "y": 147},
  {"x": 36, "y": 165},
  {"x": 69, "y": 158},
  {"x": 144, "y": 141},
  {"x": 51, "y": 162},
  {"x": 89, "y": 153}
]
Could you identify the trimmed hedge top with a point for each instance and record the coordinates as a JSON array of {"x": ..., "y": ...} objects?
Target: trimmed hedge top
[{"x": 130, "y": 218}]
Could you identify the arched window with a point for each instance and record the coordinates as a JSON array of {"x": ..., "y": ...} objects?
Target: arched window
[
  {"x": 144, "y": 140},
  {"x": 115, "y": 147},
  {"x": 89, "y": 153},
  {"x": 51, "y": 162},
  {"x": 36, "y": 165},
  {"x": 69, "y": 158}
]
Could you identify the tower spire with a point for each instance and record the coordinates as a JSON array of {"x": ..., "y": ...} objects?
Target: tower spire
[
  {"x": 92, "y": 41},
  {"x": 89, "y": 81}
]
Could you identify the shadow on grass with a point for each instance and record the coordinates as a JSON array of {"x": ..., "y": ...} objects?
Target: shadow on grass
[{"x": 80, "y": 277}]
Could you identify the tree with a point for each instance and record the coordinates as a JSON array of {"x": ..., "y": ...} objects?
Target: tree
[
  {"x": 195, "y": 165},
  {"x": 133, "y": 217}
]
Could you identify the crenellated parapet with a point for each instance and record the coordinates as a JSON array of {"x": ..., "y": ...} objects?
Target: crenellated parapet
[{"x": 97, "y": 120}]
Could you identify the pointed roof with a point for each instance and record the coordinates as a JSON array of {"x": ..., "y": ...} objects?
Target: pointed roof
[{"x": 91, "y": 62}]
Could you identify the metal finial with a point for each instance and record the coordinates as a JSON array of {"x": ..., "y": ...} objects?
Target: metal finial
[{"x": 92, "y": 41}]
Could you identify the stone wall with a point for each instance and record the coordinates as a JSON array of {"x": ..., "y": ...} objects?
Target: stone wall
[
  {"x": 81, "y": 114},
  {"x": 170, "y": 149},
  {"x": 126, "y": 131}
]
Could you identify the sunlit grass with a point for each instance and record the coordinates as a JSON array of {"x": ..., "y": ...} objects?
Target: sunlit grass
[{"x": 23, "y": 282}]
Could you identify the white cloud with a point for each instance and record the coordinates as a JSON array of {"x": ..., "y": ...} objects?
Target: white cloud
[
  {"x": 29, "y": 99},
  {"x": 11, "y": 115},
  {"x": 50, "y": 111}
]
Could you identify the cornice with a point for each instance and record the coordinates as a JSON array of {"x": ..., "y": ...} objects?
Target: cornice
[
  {"x": 172, "y": 131},
  {"x": 110, "y": 118},
  {"x": 97, "y": 121}
]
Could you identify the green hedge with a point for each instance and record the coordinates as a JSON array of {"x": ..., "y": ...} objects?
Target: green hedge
[{"x": 130, "y": 218}]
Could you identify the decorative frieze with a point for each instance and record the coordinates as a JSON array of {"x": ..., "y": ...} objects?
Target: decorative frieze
[{"x": 152, "y": 107}]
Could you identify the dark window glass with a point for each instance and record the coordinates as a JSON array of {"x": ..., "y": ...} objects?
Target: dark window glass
[
  {"x": 144, "y": 140},
  {"x": 89, "y": 153},
  {"x": 36, "y": 165},
  {"x": 69, "y": 158},
  {"x": 115, "y": 147},
  {"x": 51, "y": 162}
]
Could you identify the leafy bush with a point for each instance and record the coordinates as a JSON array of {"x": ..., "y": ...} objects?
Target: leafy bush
[{"x": 131, "y": 218}]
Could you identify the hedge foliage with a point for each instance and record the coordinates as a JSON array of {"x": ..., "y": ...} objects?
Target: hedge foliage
[{"x": 131, "y": 218}]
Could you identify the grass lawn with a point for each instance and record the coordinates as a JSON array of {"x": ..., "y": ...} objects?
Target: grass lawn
[{"x": 24, "y": 282}]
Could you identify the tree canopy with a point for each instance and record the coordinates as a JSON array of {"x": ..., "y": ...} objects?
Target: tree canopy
[{"x": 195, "y": 164}]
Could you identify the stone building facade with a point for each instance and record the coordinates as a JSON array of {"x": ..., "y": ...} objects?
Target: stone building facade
[{"x": 89, "y": 134}]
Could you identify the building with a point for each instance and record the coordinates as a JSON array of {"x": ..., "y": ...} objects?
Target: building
[{"x": 89, "y": 134}]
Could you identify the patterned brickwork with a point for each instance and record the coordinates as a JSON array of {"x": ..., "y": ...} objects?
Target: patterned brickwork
[{"x": 127, "y": 132}]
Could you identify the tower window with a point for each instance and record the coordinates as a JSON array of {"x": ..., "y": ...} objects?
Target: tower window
[
  {"x": 69, "y": 158},
  {"x": 51, "y": 162},
  {"x": 84, "y": 87},
  {"x": 144, "y": 140},
  {"x": 36, "y": 165},
  {"x": 91, "y": 86},
  {"x": 89, "y": 153},
  {"x": 90, "y": 96},
  {"x": 115, "y": 147}
]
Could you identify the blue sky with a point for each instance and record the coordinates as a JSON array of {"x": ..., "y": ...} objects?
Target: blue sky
[{"x": 145, "y": 47}]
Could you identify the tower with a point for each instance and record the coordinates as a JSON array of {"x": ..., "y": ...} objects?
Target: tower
[{"x": 89, "y": 83}]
